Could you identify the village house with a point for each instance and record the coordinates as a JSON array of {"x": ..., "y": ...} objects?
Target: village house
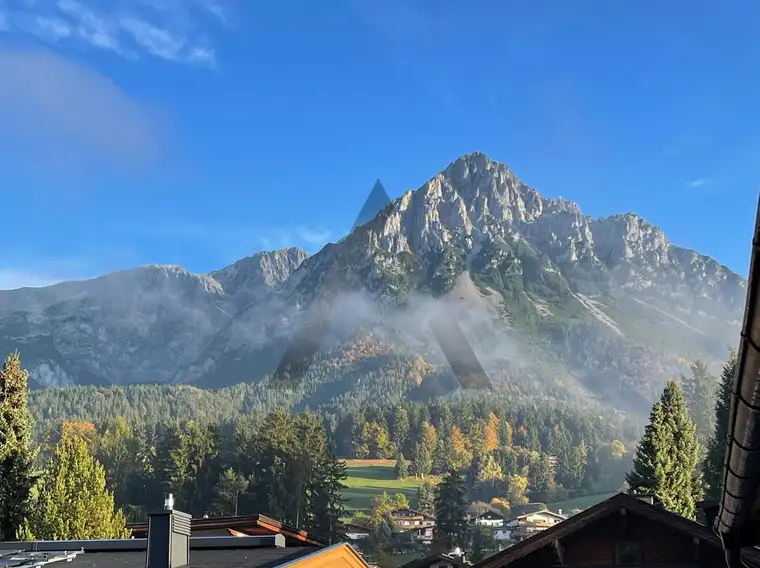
[
  {"x": 421, "y": 527},
  {"x": 521, "y": 527},
  {"x": 624, "y": 530},
  {"x": 406, "y": 518},
  {"x": 488, "y": 519}
]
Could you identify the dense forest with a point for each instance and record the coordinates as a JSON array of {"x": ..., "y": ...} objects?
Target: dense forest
[{"x": 244, "y": 449}]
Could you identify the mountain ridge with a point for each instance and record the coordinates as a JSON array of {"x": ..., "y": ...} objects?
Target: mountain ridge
[{"x": 543, "y": 268}]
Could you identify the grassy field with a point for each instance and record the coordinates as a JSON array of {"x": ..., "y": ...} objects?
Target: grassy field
[
  {"x": 579, "y": 502},
  {"x": 368, "y": 478}
]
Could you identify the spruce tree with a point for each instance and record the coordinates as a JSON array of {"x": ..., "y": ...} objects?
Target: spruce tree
[
  {"x": 699, "y": 393},
  {"x": 426, "y": 498},
  {"x": 450, "y": 511},
  {"x": 716, "y": 446},
  {"x": 16, "y": 456},
  {"x": 73, "y": 501},
  {"x": 667, "y": 456}
]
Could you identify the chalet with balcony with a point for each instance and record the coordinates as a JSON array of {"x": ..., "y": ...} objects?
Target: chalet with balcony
[
  {"x": 624, "y": 530},
  {"x": 521, "y": 527},
  {"x": 406, "y": 518}
]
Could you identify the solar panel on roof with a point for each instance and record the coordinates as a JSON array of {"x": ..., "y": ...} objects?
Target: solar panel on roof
[{"x": 32, "y": 559}]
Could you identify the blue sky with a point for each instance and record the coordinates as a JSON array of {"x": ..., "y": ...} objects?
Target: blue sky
[{"x": 196, "y": 132}]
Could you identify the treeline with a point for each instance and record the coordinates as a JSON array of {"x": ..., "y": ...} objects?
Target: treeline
[
  {"x": 546, "y": 450},
  {"x": 86, "y": 480},
  {"x": 541, "y": 452}
]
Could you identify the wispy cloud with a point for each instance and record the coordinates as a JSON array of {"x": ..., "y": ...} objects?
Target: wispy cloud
[
  {"x": 230, "y": 242},
  {"x": 173, "y": 30},
  {"x": 13, "y": 278},
  {"x": 54, "y": 111},
  {"x": 698, "y": 182}
]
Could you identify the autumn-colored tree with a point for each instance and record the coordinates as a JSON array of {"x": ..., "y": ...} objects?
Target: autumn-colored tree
[
  {"x": 492, "y": 433},
  {"x": 517, "y": 486},
  {"x": 376, "y": 438},
  {"x": 73, "y": 502},
  {"x": 460, "y": 454},
  {"x": 85, "y": 430},
  {"x": 429, "y": 437}
]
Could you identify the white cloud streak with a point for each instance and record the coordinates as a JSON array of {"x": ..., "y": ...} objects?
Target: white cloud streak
[
  {"x": 14, "y": 278},
  {"x": 171, "y": 30},
  {"x": 697, "y": 182},
  {"x": 54, "y": 111}
]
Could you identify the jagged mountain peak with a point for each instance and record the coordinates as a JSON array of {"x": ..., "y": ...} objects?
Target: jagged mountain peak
[
  {"x": 265, "y": 268},
  {"x": 602, "y": 302}
]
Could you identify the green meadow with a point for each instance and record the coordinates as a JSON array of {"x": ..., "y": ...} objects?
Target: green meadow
[{"x": 368, "y": 478}]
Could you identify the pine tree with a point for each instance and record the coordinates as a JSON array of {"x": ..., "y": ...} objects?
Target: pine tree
[
  {"x": 229, "y": 488},
  {"x": 422, "y": 462},
  {"x": 450, "y": 511},
  {"x": 73, "y": 501},
  {"x": 699, "y": 394},
  {"x": 716, "y": 446},
  {"x": 426, "y": 498},
  {"x": 401, "y": 471},
  {"x": 668, "y": 455},
  {"x": 16, "y": 456}
]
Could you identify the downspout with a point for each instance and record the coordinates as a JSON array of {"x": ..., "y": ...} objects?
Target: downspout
[{"x": 737, "y": 522}]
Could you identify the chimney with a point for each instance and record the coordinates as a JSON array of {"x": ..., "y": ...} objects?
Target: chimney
[
  {"x": 646, "y": 497},
  {"x": 168, "y": 537}
]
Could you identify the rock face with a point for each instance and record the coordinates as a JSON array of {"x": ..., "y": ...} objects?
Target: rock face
[{"x": 603, "y": 307}]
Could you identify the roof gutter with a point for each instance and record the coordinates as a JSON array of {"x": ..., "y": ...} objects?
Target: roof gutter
[{"x": 739, "y": 517}]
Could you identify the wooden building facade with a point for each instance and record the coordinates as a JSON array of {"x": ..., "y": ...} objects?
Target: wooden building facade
[{"x": 621, "y": 531}]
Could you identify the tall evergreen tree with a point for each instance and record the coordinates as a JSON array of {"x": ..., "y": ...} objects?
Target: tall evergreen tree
[
  {"x": 73, "y": 501},
  {"x": 699, "y": 393},
  {"x": 16, "y": 456},
  {"x": 426, "y": 498},
  {"x": 716, "y": 446},
  {"x": 450, "y": 511},
  {"x": 667, "y": 456}
]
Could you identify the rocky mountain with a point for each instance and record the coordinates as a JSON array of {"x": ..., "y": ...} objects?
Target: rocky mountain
[{"x": 551, "y": 301}]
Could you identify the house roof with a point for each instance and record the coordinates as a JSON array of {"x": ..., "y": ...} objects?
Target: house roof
[
  {"x": 739, "y": 517},
  {"x": 544, "y": 512},
  {"x": 489, "y": 513},
  {"x": 205, "y": 552},
  {"x": 428, "y": 560},
  {"x": 392, "y": 513},
  {"x": 251, "y": 525},
  {"x": 211, "y": 552},
  {"x": 598, "y": 512}
]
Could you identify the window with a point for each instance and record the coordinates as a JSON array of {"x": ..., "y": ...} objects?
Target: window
[{"x": 628, "y": 553}]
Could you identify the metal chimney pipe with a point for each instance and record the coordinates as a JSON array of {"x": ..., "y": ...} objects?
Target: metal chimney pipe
[{"x": 168, "y": 537}]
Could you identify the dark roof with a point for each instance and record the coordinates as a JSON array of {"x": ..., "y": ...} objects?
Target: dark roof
[
  {"x": 415, "y": 511},
  {"x": 738, "y": 519},
  {"x": 597, "y": 512},
  {"x": 235, "y": 558},
  {"x": 211, "y": 552},
  {"x": 428, "y": 560},
  {"x": 490, "y": 513},
  {"x": 247, "y": 524}
]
